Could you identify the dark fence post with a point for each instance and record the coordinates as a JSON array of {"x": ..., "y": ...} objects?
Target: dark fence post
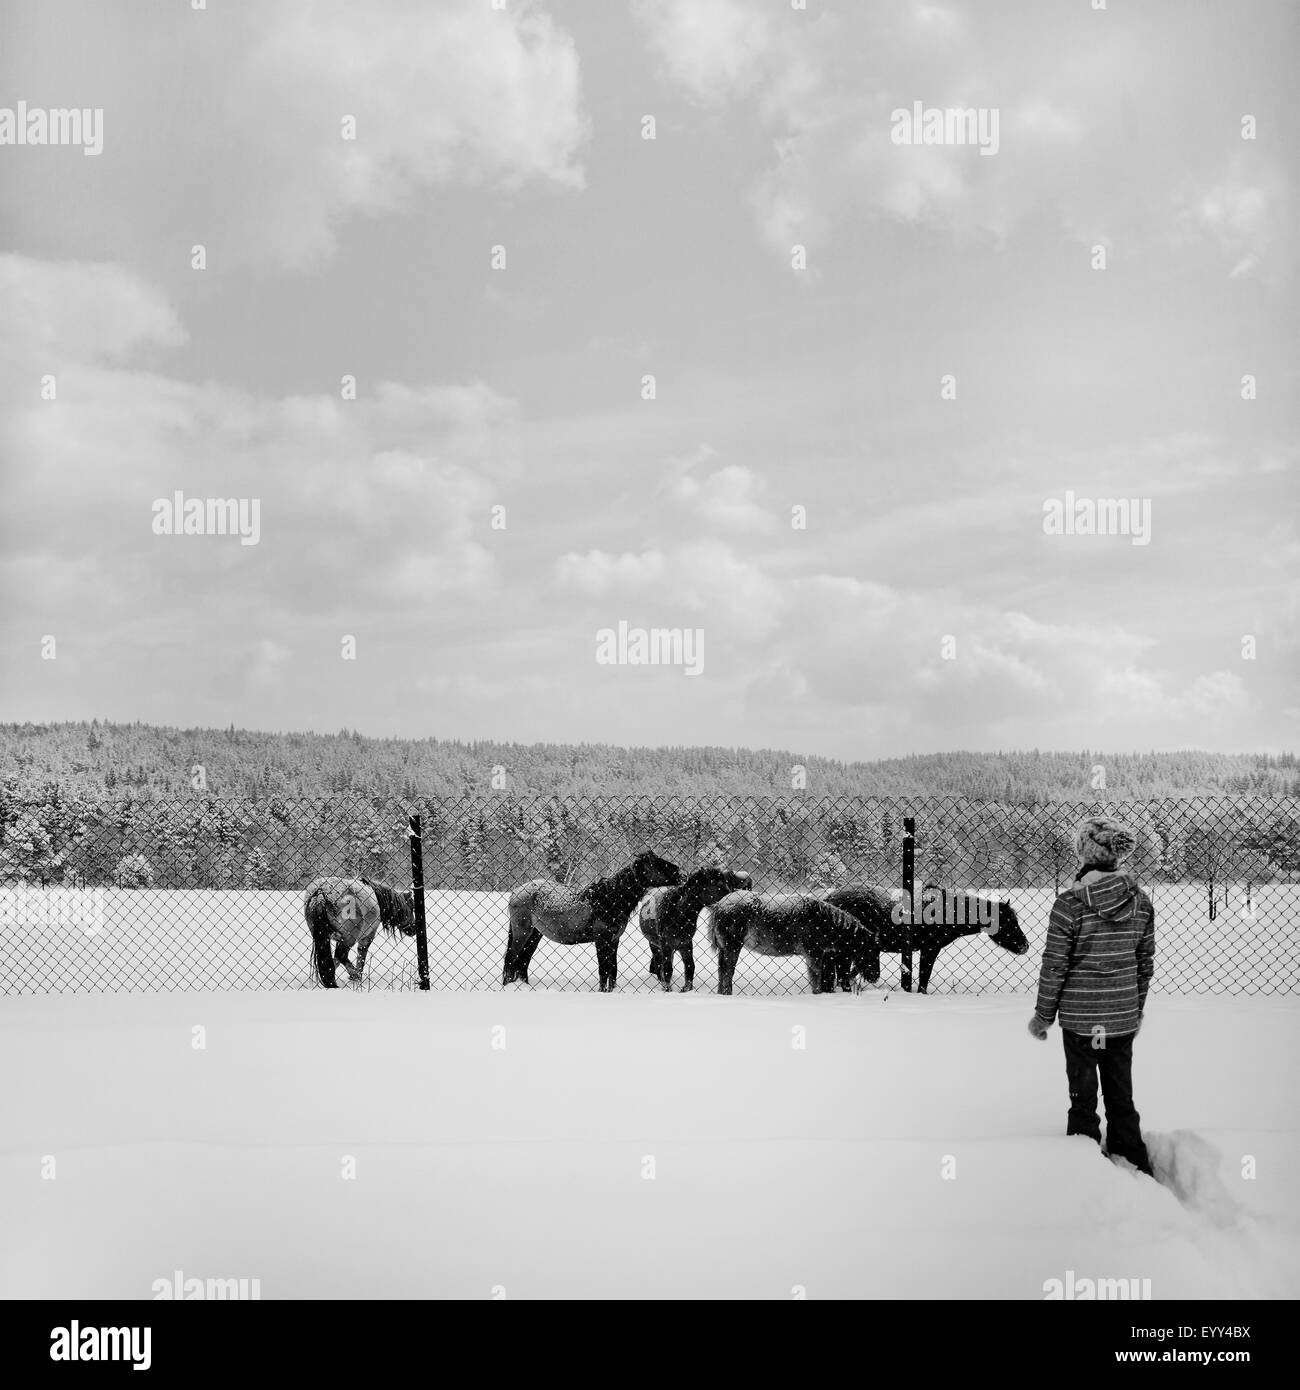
[
  {"x": 417, "y": 894},
  {"x": 909, "y": 891}
]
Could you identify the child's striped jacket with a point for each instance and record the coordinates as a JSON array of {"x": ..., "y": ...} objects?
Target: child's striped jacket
[{"x": 1099, "y": 956}]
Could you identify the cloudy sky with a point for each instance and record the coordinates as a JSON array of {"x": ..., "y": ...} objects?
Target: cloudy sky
[{"x": 776, "y": 388}]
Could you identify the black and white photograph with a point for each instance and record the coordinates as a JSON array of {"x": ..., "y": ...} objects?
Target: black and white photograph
[{"x": 649, "y": 652}]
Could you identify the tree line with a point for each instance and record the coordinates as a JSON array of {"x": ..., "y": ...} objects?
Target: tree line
[
  {"x": 140, "y": 760},
  {"x": 495, "y": 841}
]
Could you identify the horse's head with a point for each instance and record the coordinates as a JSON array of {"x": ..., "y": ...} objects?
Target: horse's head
[
  {"x": 713, "y": 884},
  {"x": 934, "y": 897},
  {"x": 654, "y": 872},
  {"x": 864, "y": 956},
  {"x": 1006, "y": 929}
]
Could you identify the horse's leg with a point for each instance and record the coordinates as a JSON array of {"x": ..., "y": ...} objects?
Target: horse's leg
[
  {"x": 728, "y": 956},
  {"x": 363, "y": 946},
  {"x": 814, "y": 963},
  {"x": 873, "y": 967},
  {"x": 510, "y": 968},
  {"x": 518, "y": 930},
  {"x": 524, "y": 953},
  {"x": 688, "y": 961},
  {"x": 654, "y": 955},
  {"x": 606, "y": 950},
  {"x": 613, "y": 959},
  {"x": 342, "y": 952},
  {"x": 666, "y": 964},
  {"x": 928, "y": 958},
  {"x": 830, "y": 970}
]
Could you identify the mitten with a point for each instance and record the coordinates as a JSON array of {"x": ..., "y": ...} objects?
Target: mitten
[{"x": 1038, "y": 1028}]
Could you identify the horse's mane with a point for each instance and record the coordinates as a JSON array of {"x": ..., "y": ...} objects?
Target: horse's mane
[
  {"x": 616, "y": 894},
  {"x": 695, "y": 884},
  {"x": 615, "y": 886},
  {"x": 698, "y": 876}
]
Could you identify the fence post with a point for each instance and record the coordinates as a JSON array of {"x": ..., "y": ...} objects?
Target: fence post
[
  {"x": 909, "y": 891},
  {"x": 417, "y": 895}
]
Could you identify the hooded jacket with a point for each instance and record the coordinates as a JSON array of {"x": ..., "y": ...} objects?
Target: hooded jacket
[{"x": 1100, "y": 955}]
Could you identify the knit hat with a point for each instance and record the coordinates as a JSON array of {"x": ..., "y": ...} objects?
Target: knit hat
[{"x": 1101, "y": 841}]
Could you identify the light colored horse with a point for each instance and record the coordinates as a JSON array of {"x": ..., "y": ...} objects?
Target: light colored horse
[
  {"x": 836, "y": 947},
  {"x": 349, "y": 911},
  {"x": 597, "y": 913}
]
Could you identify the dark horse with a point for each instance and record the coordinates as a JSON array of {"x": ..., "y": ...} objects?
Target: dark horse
[
  {"x": 667, "y": 919},
  {"x": 349, "y": 911},
  {"x": 834, "y": 944},
  {"x": 599, "y": 913},
  {"x": 942, "y": 917}
]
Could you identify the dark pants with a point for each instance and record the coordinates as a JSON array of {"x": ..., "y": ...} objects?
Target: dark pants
[{"x": 1115, "y": 1063}]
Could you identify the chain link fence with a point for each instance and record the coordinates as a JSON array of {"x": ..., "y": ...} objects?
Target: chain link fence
[{"x": 207, "y": 892}]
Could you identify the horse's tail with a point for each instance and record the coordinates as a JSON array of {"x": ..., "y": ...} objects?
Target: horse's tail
[
  {"x": 709, "y": 917},
  {"x": 316, "y": 909}
]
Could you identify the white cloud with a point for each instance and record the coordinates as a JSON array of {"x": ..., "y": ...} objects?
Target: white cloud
[
  {"x": 255, "y": 670},
  {"x": 383, "y": 501},
  {"x": 742, "y": 601},
  {"x": 1039, "y": 118},
  {"x": 849, "y": 645},
  {"x": 82, "y": 310},
  {"x": 727, "y": 499},
  {"x": 441, "y": 94},
  {"x": 735, "y": 600},
  {"x": 1245, "y": 212},
  {"x": 824, "y": 86},
  {"x": 598, "y": 572},
  {"x": 713, "y": 49}
]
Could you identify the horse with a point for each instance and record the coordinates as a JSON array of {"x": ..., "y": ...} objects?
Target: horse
[
  {"x": 834, "y": 944},
  {"x": 350, "y": 911},
  {"x": 943, "y": 917},
  {"x": 667, "y": 918},
  {"x": 597, "y": 913}
]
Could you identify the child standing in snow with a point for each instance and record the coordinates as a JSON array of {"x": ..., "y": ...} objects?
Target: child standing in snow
[{"x": 1097, "y": 965}]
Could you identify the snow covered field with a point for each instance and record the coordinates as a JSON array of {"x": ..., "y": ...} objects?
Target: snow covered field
[
  {"x": 549, "y": 1144},
  {"x": 151, "y": 939}
]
